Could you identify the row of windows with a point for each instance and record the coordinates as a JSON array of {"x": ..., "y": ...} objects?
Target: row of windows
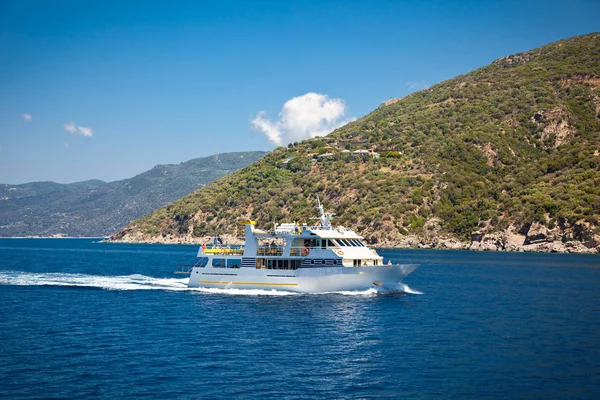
[
  {"x": 268, "y": 263},
  {"x": 220, "y": 262},
  {"x": 328, "y": 243},
  {"x": 323, "y": 262},
  {"x": 350, "y": 242}
]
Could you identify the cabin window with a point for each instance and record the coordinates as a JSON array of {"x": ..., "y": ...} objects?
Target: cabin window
[
  {"x": 322, "y": 262},
  {"x": 218, "y": 262},
  {"x": 234, "y": 263},
  {"x": 260, "y": 263},
  {"x": 323, "y": 244},
  {"x": 330, "y": 243},
  {"x": 334, "y": 262},
  {"x": 202, "y": 262},
  {"x": 312, "y": 262}
]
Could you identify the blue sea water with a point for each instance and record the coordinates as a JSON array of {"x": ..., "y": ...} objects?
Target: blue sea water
[{"x": 80, "y": 319}]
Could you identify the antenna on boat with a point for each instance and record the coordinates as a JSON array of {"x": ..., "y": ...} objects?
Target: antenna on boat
[{"x": 325, "y": 218}]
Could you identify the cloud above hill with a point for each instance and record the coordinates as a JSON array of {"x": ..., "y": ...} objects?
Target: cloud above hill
[
  {"x": 303, "y": 117},
  {"x": 78, "y": 130}
]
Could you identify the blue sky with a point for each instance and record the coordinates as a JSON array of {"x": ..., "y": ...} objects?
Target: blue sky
[{"x": 106, "y": 90}]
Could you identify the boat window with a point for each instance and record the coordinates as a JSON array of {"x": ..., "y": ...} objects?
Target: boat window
[
  {"x": 323, "y": 262},
  {"x": 312, "y": 262},
  {"x": 342, "y": 242},
  {"x": 218, "y": 262},
  {"x": 356, "y": 243},
  {"x": 334, "y": 262},
  {"x": 202, "y": 262},
  {"x": 323, "y": 243},
  {"x": 352, "y": 243},
  {"x": 360, "y": 243},
  {"x": 234, "y": 263},
  {"x": 330, "y": 243}
]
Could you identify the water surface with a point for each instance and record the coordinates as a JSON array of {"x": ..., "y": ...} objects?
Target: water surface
[{"x": 84, "y": 319}]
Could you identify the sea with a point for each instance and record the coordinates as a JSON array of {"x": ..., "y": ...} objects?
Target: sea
[{"x": 81, "y": 319}]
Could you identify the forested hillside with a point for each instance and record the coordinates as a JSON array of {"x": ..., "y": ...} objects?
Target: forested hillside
[
  {"x": 506, "y": 153},
  {"x": 97, "y": 208}
]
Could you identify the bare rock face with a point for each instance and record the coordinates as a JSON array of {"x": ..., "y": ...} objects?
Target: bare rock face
[
  {"x": 409, "y": 242},
  {"x": 450, "y": 244},
  {"x": 577, "y": 238},
  {"x": 495, "y": 241},
  {"x": 538, "y": 233}
]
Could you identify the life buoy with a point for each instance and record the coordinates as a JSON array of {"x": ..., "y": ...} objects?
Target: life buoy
[
  {"x": 306, "y": 251},
  {"x": 340, "y": 252}
]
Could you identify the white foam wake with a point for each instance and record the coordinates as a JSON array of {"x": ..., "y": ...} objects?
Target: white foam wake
[
  {"x": 406, "y": 289},
  {"x": 124, "y": 282}
]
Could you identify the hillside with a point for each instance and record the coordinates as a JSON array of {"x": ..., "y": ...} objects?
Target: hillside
[
  {"x": 504, "y": 157},
  {"x": 97, "y": 208}
]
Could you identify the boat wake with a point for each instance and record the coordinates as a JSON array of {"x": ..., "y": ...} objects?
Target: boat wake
[
  {"x": 142, "y": 282},
  {"x": 407, "y": 289},
  {"x": 125, "y": 282}
]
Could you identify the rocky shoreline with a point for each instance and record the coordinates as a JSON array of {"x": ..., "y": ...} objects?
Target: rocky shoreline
[{"x": 579, "y": 238}]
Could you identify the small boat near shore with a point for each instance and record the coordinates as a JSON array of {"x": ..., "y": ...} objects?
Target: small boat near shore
[{"x": 296, "y": 258}]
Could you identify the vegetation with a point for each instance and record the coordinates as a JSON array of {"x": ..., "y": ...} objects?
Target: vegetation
[{"x": 511, "y": 143}]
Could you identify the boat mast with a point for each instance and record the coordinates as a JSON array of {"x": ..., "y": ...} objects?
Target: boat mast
[{"x": 323, "y": 217}]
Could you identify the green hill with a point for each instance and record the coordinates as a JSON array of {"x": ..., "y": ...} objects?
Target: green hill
[
  {"x": 97, "y": 208},
  {"x": 505, "y": 154}
]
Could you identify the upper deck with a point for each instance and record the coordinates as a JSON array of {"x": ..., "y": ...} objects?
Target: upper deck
[{"x": 290, "y": 240}]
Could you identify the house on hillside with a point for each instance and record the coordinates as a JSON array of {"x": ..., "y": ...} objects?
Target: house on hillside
[
  {"x": 285, "y": 164},
  {"x": 365, "y": 153},
  {"x": 325, "y": 156}
]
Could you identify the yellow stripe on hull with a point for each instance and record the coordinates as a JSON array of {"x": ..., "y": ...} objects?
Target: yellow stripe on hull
[{"x": 248, "y": 283}]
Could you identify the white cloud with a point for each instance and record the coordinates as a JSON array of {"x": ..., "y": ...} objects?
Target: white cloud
[
  {"x": 303, "y": 117},
  {"x": 78, "y": 130},
  {"x": 85, "y": 131},
  {"x": 27, "y": 117}
]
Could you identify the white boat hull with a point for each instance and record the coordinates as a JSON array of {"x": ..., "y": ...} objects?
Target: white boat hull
[{"x": 303, "y": 280}]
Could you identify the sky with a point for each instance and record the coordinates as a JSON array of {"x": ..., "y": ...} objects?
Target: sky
[{"x": 108, "y": 89}]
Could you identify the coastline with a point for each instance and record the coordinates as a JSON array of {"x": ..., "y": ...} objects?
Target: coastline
[
  {"x": 55, "y": 237},
  {"x": 407, "y": 242}
]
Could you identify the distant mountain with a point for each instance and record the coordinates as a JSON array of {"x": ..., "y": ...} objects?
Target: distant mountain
[
  {"x": 504, "y": 157},
  {"x": 97, "y": 208}
]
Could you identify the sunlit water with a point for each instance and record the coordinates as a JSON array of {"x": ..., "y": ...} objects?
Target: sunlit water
[{"x": 84, "y": 319}]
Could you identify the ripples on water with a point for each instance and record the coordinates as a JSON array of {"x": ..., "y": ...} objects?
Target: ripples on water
[{"x": 104, "y": 320}]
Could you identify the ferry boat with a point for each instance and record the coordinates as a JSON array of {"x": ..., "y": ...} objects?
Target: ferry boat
[{"x": 296, "y": 258}]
